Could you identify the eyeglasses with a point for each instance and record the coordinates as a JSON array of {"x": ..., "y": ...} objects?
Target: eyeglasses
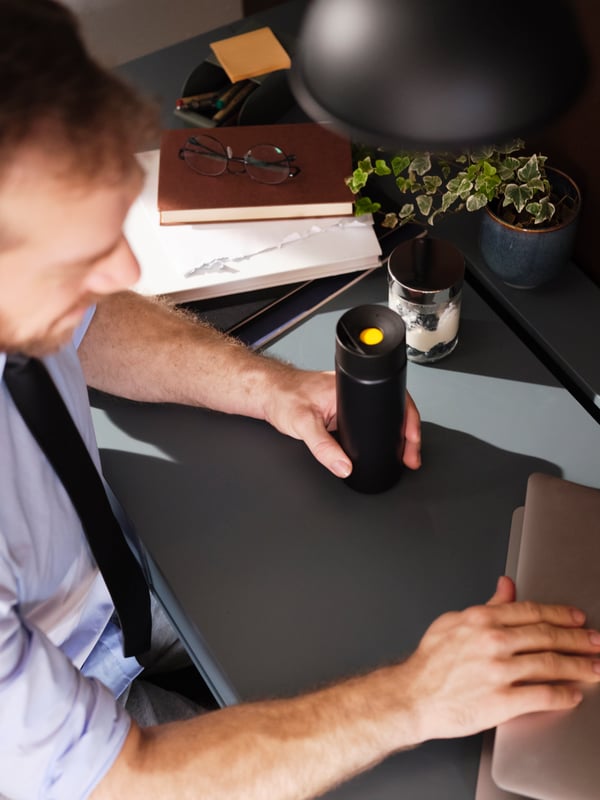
[{"x": 264, "y": 163}]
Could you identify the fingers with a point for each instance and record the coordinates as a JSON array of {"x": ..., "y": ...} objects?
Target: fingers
[
  {"x": 539, "y": 697},
  {"x": 528, "y": 613},
  {"x": 326, "y": 450},
  {"x": 539, "y": 653},
  {"x": 305, "y": 409},
  {"x": 542, "y": 637},
  {"x": 412, "y": 435},
  {"x": 551, "y": 666},
  {"x": 316, "y": 413},
  {"x": 505, "y": 592}
]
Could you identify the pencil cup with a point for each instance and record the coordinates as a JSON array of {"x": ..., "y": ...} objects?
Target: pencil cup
[
  {"x": 425, "y": 278},
  {"x": 370, "y": 364}
]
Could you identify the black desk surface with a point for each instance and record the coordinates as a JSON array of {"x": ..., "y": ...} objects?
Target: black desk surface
[{"x": 280, "y": 577}]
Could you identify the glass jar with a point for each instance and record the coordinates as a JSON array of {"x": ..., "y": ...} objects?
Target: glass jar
[{"x": 425, "y": 278}]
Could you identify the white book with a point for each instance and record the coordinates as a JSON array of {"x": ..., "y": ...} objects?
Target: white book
[{"x": 200, "y": 261}]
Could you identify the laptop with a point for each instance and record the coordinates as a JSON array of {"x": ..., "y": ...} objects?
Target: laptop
[{"x": 555, "y": 544}]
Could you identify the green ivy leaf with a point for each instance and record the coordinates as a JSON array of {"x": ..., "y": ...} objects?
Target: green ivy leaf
[
  {"x": 365, "y": 165},
  {"x": 511, "y": 162},
  {"x": 481, "y": 153},
  {"x": 403, "y": 184},
  {"x": 530, "y": 171},
  {"x": 424, "y": 203},
  {"x": 399, "y": 164},
  {"x": 512, "y": 146},
  {"x": 364, "y": 205},
  {"x": 448, "y": 199},
  {"x": 488, "y": 169},
  {"x": 357, "y": 181},
  {"x": 381, "y": 168},
  {"x": 506, "y": 170},
  {"x": 518, "y": 196},
  {"x": 537, "y": 185},
  {"x": 421, "y": 164},
  {"x": 465, "y": 188},
  {"x": 488, "y": 185},
  {"x": 406, "y": 211},
  {"x": 541, "y": 211},
  {"x": 431, "y": 183},
  {"x": 390, "y": 221},
  {"x": 476, "y": 201},
  {"x": 460, "y": 184}
]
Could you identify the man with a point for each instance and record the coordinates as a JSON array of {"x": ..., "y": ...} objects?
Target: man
[{"x": 67, "y": 179}]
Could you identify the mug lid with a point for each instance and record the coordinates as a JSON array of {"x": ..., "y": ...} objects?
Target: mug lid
[{"x": 370, "y": 342}]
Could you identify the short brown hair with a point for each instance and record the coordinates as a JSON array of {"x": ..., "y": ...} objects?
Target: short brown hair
[{"x": 52, "y": 89}]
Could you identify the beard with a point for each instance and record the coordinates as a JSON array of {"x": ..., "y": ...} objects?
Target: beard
[
  {"x": 38, "y": 348},
  {"x": 53, "y": 338}
]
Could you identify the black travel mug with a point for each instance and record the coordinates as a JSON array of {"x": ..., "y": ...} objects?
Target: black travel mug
[{"x": 370, "y": 366}]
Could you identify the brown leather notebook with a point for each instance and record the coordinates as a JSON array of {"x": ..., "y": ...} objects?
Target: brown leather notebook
[{"x": 323, "y": 157}]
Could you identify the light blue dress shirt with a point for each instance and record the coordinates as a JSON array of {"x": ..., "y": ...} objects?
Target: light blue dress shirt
[{"x": 61, "y": 661}]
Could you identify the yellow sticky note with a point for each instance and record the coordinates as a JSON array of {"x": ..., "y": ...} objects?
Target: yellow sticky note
[{"x": 250, "y": 54}]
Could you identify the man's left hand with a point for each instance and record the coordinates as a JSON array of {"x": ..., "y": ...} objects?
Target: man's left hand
[{"x": 303, "y": 405}]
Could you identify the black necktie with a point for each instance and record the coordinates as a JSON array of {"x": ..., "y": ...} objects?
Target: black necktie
[{"x": 52, "y": 426}]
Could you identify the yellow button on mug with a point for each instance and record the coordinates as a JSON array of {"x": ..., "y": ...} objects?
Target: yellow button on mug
[{"x": 371, "y": 336}]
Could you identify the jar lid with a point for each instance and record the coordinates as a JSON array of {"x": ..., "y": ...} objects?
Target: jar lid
[{"x": 426, "y": 266}]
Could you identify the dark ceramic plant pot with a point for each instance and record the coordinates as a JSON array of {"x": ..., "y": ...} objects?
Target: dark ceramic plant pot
[{"x": 526, "y": 258}]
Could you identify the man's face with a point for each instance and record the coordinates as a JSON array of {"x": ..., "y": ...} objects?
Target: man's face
[{"x": 61, "y": 249}]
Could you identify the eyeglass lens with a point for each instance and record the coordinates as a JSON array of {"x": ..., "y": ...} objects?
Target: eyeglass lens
[
  {"x": 206, "y": 155},
  {"x": 265, "y": 163}
]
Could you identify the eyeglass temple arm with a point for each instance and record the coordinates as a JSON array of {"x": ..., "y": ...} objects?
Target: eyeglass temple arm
[{"x": 202, "y": 148}]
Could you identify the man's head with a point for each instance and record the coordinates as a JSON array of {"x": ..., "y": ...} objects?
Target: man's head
[
  {"x": 68, "y": 131},
  {"x": 54, "y": 93}
]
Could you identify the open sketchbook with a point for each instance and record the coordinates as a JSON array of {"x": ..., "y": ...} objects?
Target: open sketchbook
[{"x": 195, "y": 262}]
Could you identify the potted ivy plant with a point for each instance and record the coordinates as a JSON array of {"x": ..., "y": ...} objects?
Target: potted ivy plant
[{"x": 531, "y": 209}]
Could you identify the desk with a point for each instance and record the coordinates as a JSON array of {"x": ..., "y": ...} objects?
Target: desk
[{"x": 272, "y": 599}]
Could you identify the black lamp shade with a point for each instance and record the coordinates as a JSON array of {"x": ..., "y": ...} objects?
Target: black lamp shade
[{"x": 437, "y": 74}]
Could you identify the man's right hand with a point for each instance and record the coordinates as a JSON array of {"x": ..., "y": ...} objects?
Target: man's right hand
[{"x": 477, "y": 668}]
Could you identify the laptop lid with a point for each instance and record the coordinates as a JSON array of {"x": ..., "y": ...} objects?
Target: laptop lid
[
  {"x": 556, "y": 755},
  {"x": 486, "y": 788}
]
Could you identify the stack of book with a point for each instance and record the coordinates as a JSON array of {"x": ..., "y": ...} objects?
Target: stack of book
[{"x": 199, "y": 236}]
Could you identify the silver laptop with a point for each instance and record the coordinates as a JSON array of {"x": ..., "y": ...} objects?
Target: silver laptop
[{"x": 552, "y": 755}]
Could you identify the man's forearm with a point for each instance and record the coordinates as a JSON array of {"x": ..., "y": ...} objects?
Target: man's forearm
[
  {"x": 143, "y": 350},
  {"x": 472, "y": 670},
  {"x": 283, "y": 749}
]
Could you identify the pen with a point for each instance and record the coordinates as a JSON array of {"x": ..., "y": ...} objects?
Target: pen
[
  {"x": 222, "y": 101},
  {"x": 200, "y": 97},
  {"x": 234, "y": 103},
  {"x": 194, "y": 105}
]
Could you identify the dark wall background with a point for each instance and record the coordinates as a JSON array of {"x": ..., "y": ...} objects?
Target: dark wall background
[{"x": 572, "y": 143}]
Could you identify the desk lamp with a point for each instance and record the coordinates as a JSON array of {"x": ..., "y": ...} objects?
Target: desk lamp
[{"x": 437, "y": 74}]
